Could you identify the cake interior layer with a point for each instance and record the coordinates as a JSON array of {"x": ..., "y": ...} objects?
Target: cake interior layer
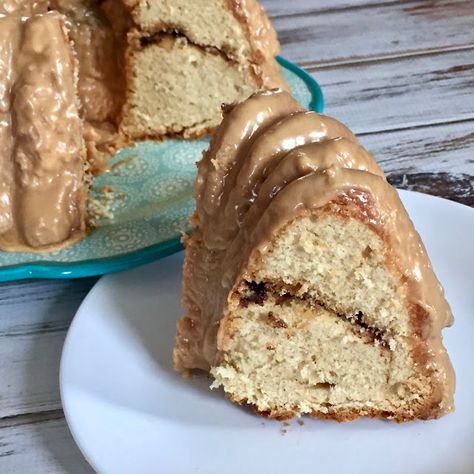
[
  {"x": 319, "y": 324},
  {"x": 204, "y": 77},
  {"x": 342, "y": 261},
  {"x": 204, "y": 22},
  {"x": 287, "y": 356}
]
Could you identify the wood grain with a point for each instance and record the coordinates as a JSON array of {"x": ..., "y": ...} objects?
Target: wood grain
[
  {"x": 40, "y": 448},
  {"x": 435, "y": 148},
  {"x": 30, "y": 372},
  {"x": 34, "y": 317},
  {"x": 53, "y": 300},
  {"x": 276, "y": 8},
  {"x": 457, "y": 187},
  {"x": 375, "y": 31},
  {"x": 17, "y": 420},
  {"x": 401, "y": 93}
]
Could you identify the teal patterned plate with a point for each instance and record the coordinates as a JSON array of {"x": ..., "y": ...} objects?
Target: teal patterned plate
[{"x": 151, "y": 200}]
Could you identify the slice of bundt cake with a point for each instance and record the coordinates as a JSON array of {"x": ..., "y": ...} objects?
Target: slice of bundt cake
[
  {"x": 306, "y": 288},
  {"x": 42, "y": 155}
]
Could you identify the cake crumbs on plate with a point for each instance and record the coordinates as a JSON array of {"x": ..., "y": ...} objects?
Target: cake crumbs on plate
[{"x": 99, "y": 204}]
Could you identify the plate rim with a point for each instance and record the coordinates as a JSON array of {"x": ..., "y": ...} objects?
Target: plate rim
[
  {"x": 61, "y": 375},
  {"x": 100, "y": 266}
]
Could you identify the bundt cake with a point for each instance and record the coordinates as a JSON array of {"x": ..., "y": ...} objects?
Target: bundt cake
[
  {"x": 306, "y": 288},
  {"x": 90, "y": 76}
]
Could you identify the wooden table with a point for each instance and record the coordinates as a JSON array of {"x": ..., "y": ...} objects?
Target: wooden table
[{"x": 398, "y": 73}]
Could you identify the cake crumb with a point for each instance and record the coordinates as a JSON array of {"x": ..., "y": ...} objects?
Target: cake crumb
[
  {"x": 283, "y": 432},
  {"x": 301, "y": 422},
  {"x": 285, "y": 423},
  {"x": 99, "y": 205}
]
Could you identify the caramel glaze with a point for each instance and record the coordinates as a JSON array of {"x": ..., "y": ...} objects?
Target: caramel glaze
[
  {"x": 23, "y": 7},
  {"x": 324, "y": 167},
  {"x": 42, "y": 181},
  {"x": 9, "y": 41},
  {"x": 272, "y": 145},
  {"x": 101, "y": 81}
]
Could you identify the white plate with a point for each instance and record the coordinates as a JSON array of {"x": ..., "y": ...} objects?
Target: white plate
[{"x": 130, "y": 413}]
